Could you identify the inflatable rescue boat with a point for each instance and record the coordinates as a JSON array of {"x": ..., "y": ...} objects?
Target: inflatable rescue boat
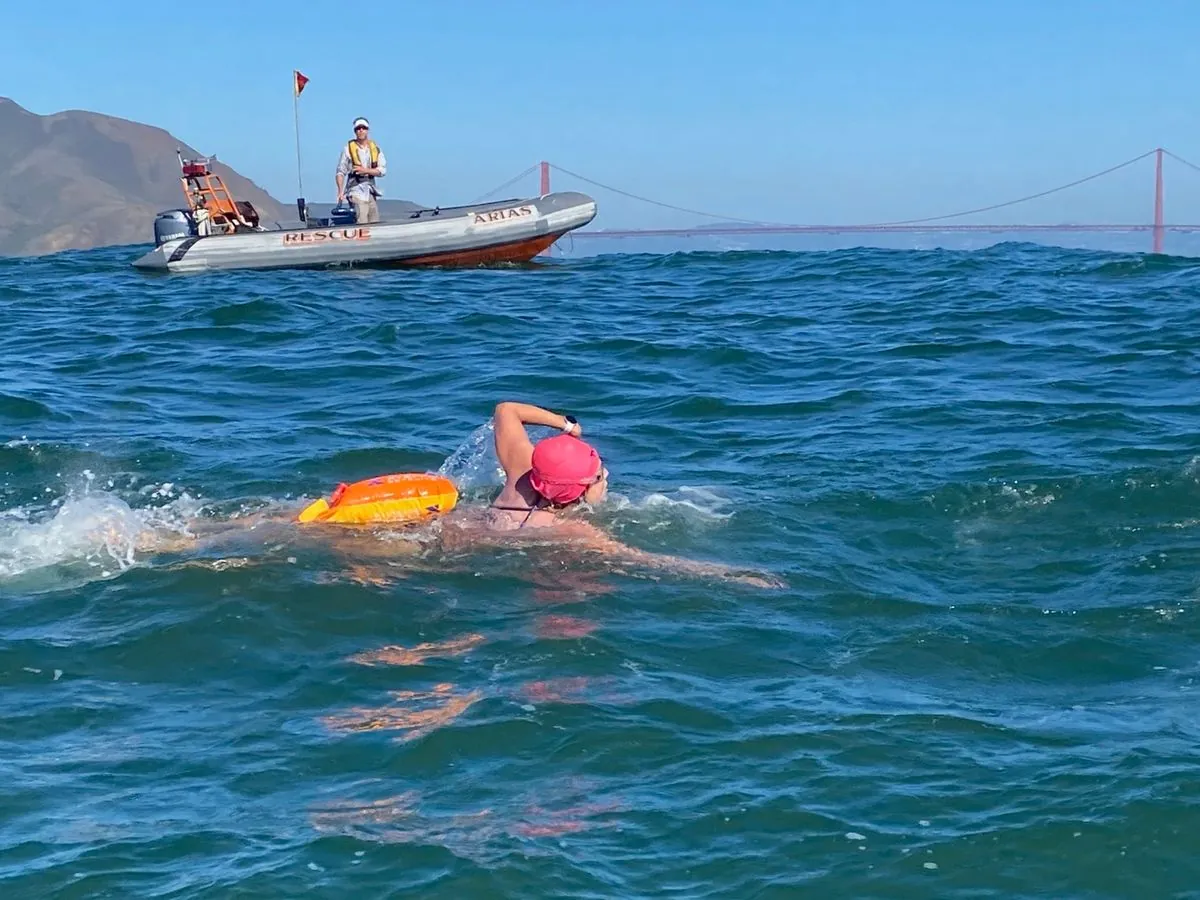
[{"x": 216, "y": 231}]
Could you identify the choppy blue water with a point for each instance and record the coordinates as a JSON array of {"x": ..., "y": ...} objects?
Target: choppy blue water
[{"x": 979, "y": 474}]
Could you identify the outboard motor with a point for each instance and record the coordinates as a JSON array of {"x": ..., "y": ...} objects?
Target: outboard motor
[{"x": 172, "y": 224}]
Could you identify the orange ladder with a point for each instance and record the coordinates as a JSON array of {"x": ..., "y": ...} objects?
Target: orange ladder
[{"x": 204, "y": 188}]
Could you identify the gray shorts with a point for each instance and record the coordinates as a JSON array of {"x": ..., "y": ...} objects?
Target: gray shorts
[{"x": 366, "y": 210}]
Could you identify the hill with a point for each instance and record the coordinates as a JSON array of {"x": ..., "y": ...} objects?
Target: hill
[{"x": 76, "y": 180}]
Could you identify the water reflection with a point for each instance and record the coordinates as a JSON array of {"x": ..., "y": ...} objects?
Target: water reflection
[{"x": 478, "y": 834}]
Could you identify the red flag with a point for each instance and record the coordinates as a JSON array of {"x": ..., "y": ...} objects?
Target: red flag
[{"x": 301, "y": 81}]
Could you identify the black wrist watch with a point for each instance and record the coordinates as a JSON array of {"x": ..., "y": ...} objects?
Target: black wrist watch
[{"x": 571, "y": 423}]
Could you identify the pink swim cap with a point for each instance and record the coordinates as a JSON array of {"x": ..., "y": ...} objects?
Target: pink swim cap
[{"x": 563, "y": 467}]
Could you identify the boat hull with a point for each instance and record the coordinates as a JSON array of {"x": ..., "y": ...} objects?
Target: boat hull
[{"x": 485, "y": 234}]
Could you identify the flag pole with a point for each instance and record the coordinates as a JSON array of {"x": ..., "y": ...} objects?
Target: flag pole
[{"x": 301, "y": 207}]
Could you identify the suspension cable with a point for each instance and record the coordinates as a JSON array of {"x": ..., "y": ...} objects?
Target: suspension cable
[
  {"x": 1178, "y": 158},
  {"x": 695, "y": 212},
  {"x": 497, "y": 190},
  {"x": 1040, "y": 194},
  {"x": 955, "y": 215}
]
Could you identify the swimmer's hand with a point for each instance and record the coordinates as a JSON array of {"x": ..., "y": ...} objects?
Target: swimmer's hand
[
  {"x": 593, "y": 538},
  {"x": 763, "y": 580}
]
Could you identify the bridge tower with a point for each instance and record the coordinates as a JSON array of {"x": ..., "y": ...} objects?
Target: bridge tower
[{"x": 1158, "y": 201}]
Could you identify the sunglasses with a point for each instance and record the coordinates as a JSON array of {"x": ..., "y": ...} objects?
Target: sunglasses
[{"x": 361, "y": 128}]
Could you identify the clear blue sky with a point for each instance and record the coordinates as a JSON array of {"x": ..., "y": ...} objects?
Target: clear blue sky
[{"x": 792, "y": 110}]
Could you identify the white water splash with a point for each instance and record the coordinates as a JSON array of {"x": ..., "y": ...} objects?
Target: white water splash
[
  {"x": 697, "y": 506},
  {"x": 474, "y": 465},
  {"x": 1192, "y": 468},
  {"x": 1027, "y": 497},
  {"x": 95, "y": 528}
]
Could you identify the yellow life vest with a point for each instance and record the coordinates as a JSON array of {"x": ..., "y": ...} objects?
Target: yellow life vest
[{"x": 353, "y": 149}]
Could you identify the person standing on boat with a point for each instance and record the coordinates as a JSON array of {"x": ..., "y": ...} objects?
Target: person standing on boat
[{"x": 361, "y": 163}]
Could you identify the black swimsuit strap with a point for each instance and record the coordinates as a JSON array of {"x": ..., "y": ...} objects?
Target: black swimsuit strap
[{"x": 528, "y": 510}]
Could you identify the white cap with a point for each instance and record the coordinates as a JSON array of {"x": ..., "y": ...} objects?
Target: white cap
[{"x": 361, "y": 121}]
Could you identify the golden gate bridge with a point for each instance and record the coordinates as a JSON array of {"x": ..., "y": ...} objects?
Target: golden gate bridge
[{"x": 733, "y": 225}]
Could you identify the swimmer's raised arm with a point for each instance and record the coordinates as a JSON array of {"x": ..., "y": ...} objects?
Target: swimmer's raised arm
[{"x": 513, "y": 447}]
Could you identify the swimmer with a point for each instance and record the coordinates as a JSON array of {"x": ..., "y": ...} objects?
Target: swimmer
[
  {"x": 546, "y": 488},
  {"x": 543, "y": 483},
  {"x": 547, "y": 483}
]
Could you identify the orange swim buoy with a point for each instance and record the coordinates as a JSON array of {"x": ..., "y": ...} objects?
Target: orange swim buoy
[{"x": 404, "y": 497}]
